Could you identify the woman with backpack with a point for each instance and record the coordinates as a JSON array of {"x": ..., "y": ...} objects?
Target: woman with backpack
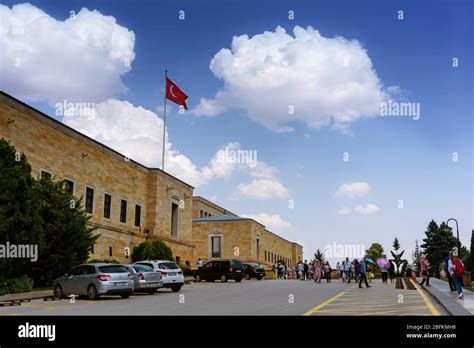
[{"x": 456, "y": 269}]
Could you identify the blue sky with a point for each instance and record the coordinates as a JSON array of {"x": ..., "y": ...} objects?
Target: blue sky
[{"x": 399, "y": 158}]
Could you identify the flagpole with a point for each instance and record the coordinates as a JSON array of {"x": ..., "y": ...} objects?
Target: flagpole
[{"x": 164, "y": 126}]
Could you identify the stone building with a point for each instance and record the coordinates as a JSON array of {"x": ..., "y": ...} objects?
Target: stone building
[{"x": 129, "y": 202}]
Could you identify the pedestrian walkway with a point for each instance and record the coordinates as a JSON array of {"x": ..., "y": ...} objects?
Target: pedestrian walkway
[
  {"x": 443, "y": 288},
  {"x": 380, "y": 299}
]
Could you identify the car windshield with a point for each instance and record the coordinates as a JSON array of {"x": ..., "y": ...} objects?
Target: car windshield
[
  {"x": 168, "y": 265},
  {"x": 142, "y": 268},
  {"x": 113, "y": 269}
]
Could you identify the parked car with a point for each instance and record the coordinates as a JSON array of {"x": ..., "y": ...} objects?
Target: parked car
[
  {"x": 220, "y": 269},
  {"x": 95, "y": 279},
  {"x": 145, "y": 278},
  {"x": 253, "y": 270},
  {"x": 171, "y": 274}
]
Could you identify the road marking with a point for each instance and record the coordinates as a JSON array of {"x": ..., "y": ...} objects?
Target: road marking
[
  {"x": 430, "y": 305},
  {"x": 315, "y": 309}
]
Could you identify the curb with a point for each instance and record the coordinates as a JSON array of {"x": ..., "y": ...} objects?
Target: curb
[{"x": 449, "y": 305}]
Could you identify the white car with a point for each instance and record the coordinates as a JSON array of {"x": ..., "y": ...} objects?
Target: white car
[{"x": 171, "y": 274}]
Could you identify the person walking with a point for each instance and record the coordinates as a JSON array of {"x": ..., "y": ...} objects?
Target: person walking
[
  {"x": 199, "y": 263},
  {"x": 317, "y": 272},
  {"x": 456, "y": 268},
  {"x": 327, "y": 271},
  {"x": 311, "y": 270},
  {"x": 448, "y": 275},
  {"x": 301, "y": 271},
  {"x": 384, "y": 273},
  {"x": 391, "y": 272},
  {"x": 424, "y": 266},
  {"x": 363, "y": 273},
  {"x": 306, "y": 270},
  {"x": 347, "y": 270}
]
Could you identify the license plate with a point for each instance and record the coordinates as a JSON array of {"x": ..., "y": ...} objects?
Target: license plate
[
  {"x": 239, "y": 271},
  {"x": 120, "y": 284},
  {"x": 152, "y": 285},
  {"x": 171, "y": 274}
]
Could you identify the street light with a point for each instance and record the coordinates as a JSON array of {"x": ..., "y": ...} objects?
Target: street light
[{"x": 447, "y": 229}]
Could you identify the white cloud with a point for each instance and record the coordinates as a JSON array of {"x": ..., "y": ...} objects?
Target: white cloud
[
  {"x": 344, "y": 211},
  {"x": 353, "y": 190},
  {"x": 367, "y": 209},
  {"x": 274, "y": 223},
  {"x": 263, "y": 189},
  {"x": 270, "y": 73},
  {"x": 77, "y": 59}
]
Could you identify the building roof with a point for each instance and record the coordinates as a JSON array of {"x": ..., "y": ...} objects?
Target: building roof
[
  {"x": 212, "y": 204},
  {"x": 79, "y": 134},
  {"x": 225, "y": 217}
]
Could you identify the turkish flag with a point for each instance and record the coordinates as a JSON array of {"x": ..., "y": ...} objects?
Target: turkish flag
[{"x": 174, "y": 94}]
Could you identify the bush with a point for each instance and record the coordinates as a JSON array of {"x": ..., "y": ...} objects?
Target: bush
[
  {"x": 187, "y": 270},
  {"x": 103, "y": 261},
  {"x": 154, "y": 250},
  {"x": 16, "y": 285}
]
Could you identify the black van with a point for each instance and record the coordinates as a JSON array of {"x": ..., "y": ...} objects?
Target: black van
[{"x": 220, "y": 269}]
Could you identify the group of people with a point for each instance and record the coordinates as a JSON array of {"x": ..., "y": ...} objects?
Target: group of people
[
  {"x": 305, "y": 271},
  {"x": 451, "y": 267},
  {"x": 362, "y": 272}
]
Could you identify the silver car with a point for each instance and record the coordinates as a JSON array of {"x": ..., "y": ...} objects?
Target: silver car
[
  {"x": 95, "y": 279},
  {"x": 145, "y": 278},
  {"x": 172, "y": 275}
]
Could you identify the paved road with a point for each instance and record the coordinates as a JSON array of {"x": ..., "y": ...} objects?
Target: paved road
[{"x": 266, "y": 297}]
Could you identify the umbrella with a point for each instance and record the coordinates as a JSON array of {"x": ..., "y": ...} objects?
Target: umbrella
[
  {"x": 369, "y": 260},
  {"x": 383, "y": 264}
]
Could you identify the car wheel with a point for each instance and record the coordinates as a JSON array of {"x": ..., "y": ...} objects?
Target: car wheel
[
  {"x": 259, "y": 278},
  {"x": 238, "y": 280},
  {"x": 127, "y": 295},
  {"x": 92, "y": 293},
  {"x": 176, "y": 288},
  {"x": 197, "y": 278},
  {"x": 247, "y": 276},
  {"x": 58, "y": 292},
  {"x": 152, "y": 291},
  {"x": 223, "y": 278}
]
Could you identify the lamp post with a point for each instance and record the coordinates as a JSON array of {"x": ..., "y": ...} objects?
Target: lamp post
[{"x": 447, "y": 229}]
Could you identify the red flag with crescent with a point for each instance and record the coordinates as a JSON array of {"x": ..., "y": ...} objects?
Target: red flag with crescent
[{"x": 175, "y": 94}]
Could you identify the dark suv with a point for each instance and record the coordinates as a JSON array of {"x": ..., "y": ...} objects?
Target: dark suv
[
  {"x": 220, "y": 269},
  {"x": 253, "y": 270}
]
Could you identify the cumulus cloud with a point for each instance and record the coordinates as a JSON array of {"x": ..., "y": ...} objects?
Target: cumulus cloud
[
  {"x": 353, "y": 190},
  {"x": 278, "y": 78},
  {"x": 274, "y": 223},
  {"x": 344, "y": 211},
  {"x": 367, "y": 209},
  {"x": 263, "y": 189},
  {"x": 80, "y": 58}
]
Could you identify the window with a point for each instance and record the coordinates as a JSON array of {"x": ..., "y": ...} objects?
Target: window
[
  {"x": 123, "y": 211},
  {"x": 265, "y": 256},
  {"x": 89, "y": 200},
  {"x": 69, "y": 186},
  {"x": 201, "y": 213},
  {"x": 216, "y": 246},
  {"x": 258, "y": 249},
  {"x": 107, "y": 205},
  {"x": 174, "y": 219},
  {"x": 138, "y": 215},
  {"x": 110, "y": 251},
  {"x": 45, "y": 175},
  {"x": 178, "y": 260}
]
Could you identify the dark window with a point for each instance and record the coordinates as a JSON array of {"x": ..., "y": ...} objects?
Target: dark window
[
  {"x": 216, "y": 246},
  {"x": 138, "y": 215},
  {"x": 258, "y": 249},
  {"x": 90, "y": 270},
  {"x": 69, "y": 186},
  {"x": 265, "y": 256},
  {"x": 201, "y": 213},
  {"x": 107, "y": 205},
  {"x": 89, "y": 200},
  {"x": 178, "y": 260},
  {"x": 110, "y": 251},
  {"x": 168, "y": 265},
  {"x": 113, "y": 269},
  {"x": 45, "y": 175},
  {"x": 123, "y": 211},
  {"x": 174, "y": 219}
]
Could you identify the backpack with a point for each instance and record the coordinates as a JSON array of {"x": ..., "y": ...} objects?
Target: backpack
[{"x": 459, "y": 270}]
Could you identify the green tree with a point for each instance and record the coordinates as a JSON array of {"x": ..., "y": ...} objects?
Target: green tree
[
  {"x": 416, "y": 257},
  {"x": 319, "y": 256},
  {"x": 152, "y": 250},
  {"x": 375, "y": 252},
  {"x": 65, "y": 227},
  {"x": 20, "y": 221},
  {"x": 396, "y": 244},
  {"x": 397, "y": 258},
  {"x": 437, "y": 244}
]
